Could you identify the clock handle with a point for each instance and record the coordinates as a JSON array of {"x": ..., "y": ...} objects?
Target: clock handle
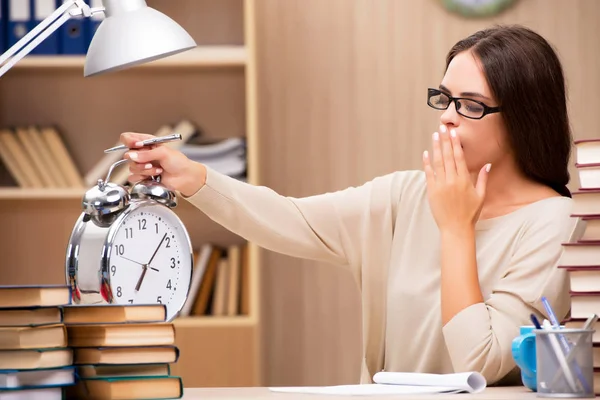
[{"x": 102, "y": 183}]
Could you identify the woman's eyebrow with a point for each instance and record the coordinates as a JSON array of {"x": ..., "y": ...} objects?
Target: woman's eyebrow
[{"x": 465, "y": 94}]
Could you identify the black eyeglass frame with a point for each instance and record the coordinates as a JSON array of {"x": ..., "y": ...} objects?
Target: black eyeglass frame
[{"x": 486, "y": 109}]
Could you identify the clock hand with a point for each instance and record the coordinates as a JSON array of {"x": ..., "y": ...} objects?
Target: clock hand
[
  {"x": 128, "y": 259},
  {"x": 139, "y": 283},
  {"x": 158, "y": 247}
]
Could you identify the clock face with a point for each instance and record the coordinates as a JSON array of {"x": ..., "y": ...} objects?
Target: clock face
[{"x": 150, "y": 260}]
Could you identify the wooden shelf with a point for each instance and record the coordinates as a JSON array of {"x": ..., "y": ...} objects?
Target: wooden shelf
[{"x": 202, "y": 56}]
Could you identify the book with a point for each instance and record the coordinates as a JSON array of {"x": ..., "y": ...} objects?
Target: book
[
  {"x": 125, "y": 388},
  {"x": 114, "y": 313},
  {"x": 30, "y": 316},
  {"x": 587, "y": 151},
  {"x": 587, "y": 229},
  {"x": 579, "y": 254},
  {"x": 589, "y": 175},
  {"x": 91, "y": 371},
  {"x": 121, "y": 335},
  {"x": 29, "y": 296},
  {"x": 19, "y": 379},
  {"x": 126, "y": 355},
  {"x": 584, "y": 304},
  {"x": 50, "y": 393},
  {"x": 36, "y": 337},
  {"x": 397, "y": 383},
  {"x": 586, "y": 202},
  {"x": 35, "y": 358},
  {"x": 584, "y": 279}
]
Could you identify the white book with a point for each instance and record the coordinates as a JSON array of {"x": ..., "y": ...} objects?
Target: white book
[{"x": 37, "y": 377}]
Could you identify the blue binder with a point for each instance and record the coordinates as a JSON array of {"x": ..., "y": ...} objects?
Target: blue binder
[
  {"x": 19, "y": 20},
  {"x": 73, "y": 36},
  {"x": 41, "y": 9},
  {"x": 3, "y": 25}
]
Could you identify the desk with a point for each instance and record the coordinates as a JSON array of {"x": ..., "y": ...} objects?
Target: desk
[{"x": 260, "y": 393}]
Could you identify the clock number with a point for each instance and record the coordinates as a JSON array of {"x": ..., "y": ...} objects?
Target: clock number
[
  {"x": 130, "y": 301},
  {"x": 113, "y": 269},
  {"x": 119, "y": 291},
  {"x": 142, "y": 224},
  {"x": 156, "y": 225},
  {"x": 172, "y": 262},
  {"x": 168, "y": 240},
  {"x": 159, "y": 299},
  {"x": 169, "y": 284},
  {"x": 120, "y": 249},
  {"x": 128, "y": 233}
]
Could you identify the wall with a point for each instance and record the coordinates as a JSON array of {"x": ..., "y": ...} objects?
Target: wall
[{"x": 342, "y": 87}]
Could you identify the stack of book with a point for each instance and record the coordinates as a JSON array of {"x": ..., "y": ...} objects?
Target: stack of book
[
  {"x": 122, "y": 351},
  {"x": 35, "y": 362},
  {"x": 581, "y": 255}
]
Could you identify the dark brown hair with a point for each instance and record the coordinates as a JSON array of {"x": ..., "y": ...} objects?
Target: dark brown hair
[{"x": 526, "y": 78}]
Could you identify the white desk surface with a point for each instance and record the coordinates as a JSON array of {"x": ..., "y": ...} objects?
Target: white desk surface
[{"x": 260, "y": 393}]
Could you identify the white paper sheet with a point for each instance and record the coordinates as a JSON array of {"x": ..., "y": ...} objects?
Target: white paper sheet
[{"x": 389, "y": 383}]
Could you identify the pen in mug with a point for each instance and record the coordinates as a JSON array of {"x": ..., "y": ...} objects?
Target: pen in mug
[
  {"x": 148, "y": 142},
  {"x": 560, "y": 356},
  {"x": 563, "y": 342},
  {"x": 587, "y": 325}
]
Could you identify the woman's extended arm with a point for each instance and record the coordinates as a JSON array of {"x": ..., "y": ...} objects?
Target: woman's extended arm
[{"x": 330, "y": 227}]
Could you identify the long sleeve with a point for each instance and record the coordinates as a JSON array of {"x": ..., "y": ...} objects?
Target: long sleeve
[
  {"x": 479, "y": 337},
  {"x": 329, "y": 227}
]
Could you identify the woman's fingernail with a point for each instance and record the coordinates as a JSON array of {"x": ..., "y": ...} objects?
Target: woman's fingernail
[
  {"x": 139, "y": 144},
  {"x": 488, "y": 167},
  {"x": 148, "y": 166},
  {"x": 436, "y": 136},
  {"x": 158, "y": 170},
  {"x": 443, "y": 128},
  {"x": 425, "y": 154},
  {"x": 452, "y": 133},
  {"x": 133, "y": 155}
]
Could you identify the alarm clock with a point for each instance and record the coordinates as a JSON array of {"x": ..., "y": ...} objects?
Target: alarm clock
[{"x": 128, "y": 246}]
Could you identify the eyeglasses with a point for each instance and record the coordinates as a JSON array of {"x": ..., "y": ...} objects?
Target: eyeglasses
[{"x": 466, "y": 107}]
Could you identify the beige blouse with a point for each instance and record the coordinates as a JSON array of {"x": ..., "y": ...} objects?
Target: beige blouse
[{"x": 383, "y": 231}]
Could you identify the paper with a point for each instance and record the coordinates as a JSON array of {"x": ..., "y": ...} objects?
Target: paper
[{"x": 387, "y": 383}]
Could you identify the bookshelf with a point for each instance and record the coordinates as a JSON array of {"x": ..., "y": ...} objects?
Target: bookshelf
[{"x": 213, "y": 87}]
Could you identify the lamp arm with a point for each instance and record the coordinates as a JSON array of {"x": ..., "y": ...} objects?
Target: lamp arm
[{"x": 31, "y": 40}]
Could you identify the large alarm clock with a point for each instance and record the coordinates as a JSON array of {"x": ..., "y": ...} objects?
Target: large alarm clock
[{"x": 129, "y": 247}]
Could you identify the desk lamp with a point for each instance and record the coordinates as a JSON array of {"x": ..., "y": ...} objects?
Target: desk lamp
[{"x": 130, "y": 34}]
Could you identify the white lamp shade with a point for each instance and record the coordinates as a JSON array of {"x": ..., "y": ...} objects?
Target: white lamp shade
[{"x": 131, "y": 34}]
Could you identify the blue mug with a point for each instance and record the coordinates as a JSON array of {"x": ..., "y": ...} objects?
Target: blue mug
[{"x": 523, "y": 352}]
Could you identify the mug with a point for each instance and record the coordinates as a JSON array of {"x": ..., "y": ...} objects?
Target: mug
[{"x": 523, "y": 352}]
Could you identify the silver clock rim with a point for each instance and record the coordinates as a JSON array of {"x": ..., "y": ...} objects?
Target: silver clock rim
[
  {"x": 72, "y": 259},
  {"x": 110, "y": 238}
]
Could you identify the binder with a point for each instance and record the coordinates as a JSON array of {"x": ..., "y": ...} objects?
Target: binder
[
  {"x": 73, "y": 37},
  {"x": 3, "y": 25},
  {"x": 93, "y": 22},
  {"x": 41, "y": 9},
  {"x": 19, "y": 20}
]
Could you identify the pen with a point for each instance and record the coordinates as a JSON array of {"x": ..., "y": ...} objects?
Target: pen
[
  {"x": 587, "y": 325},
  {"x": 560, "y": 357},
  {"x": 147, "y": 142},
  {"x": 563, "y": 342},
  {"x": 535, "y": 321}
]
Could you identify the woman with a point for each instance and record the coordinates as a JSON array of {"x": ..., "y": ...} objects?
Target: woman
[{"x": 450, "y": 260}]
